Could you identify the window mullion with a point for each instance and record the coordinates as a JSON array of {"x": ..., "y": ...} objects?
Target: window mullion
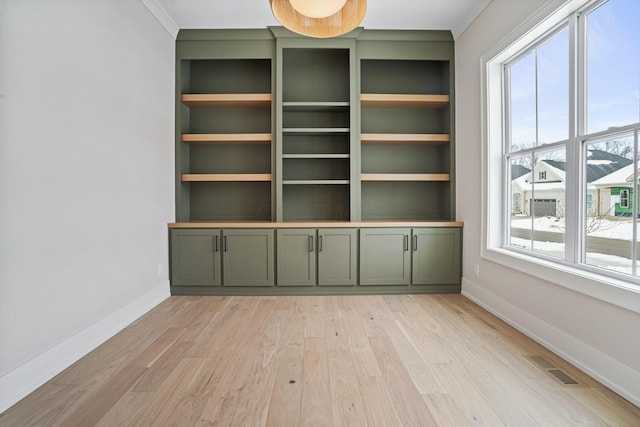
[
  {"x": 636, "y": 208},
  {"x": 575, "y": 188},
  {"x": 506, "y": 176}
]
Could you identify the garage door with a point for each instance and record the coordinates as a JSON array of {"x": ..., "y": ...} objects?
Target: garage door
[{"x": 544, "y": 207}]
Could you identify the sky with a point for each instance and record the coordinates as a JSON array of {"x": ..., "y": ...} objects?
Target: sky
[{"x": 613, "y": 78}]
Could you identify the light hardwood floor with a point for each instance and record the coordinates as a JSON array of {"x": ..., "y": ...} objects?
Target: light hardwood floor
[{"x": 421, "y": 360}]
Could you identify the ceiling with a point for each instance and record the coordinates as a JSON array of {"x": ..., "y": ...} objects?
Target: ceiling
[{"x": 454, "y": 15}]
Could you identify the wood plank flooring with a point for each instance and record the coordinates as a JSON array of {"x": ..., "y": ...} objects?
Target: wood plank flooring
[{"x": 410, "y": 360}]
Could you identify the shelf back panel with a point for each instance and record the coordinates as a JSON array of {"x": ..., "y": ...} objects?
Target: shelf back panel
[
  {"x": 405, "y": 158},
  {"x": 250, "y": 201},
  {"x": 404, "y": 201},
  {"x": 316, "y": 144},
  {"x": 244, "y": 158},
  {"x": 229, "y": 76},
  {"x": 404, "y": 120},
  {"x": 315, "y": 169},
  {"x": 230, "y": 120},
  {"x": 316, "y": 203},
  {"x": 320, "y": 75},
  {"x": 405, "y": 77}
]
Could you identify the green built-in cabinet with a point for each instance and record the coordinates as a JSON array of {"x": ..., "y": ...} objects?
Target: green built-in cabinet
[
  {"x": 212, "y": 257},
  {"x": 195, "y": 257},
  {"x": 323, "y": 257},
  {"x": 340, "y": 148}
]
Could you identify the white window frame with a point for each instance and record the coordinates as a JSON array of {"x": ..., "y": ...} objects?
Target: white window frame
[
  {"x": 626, "y": 198},
  {"x": 617, "y": 290}
]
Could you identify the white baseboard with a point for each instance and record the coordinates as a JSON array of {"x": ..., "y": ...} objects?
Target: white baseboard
[
  {"x": 18, "y": 383},
  {"x": 608, "y": 371}
]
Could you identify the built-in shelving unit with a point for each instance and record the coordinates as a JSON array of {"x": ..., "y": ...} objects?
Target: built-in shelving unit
[{"x": 314, "y": 166}]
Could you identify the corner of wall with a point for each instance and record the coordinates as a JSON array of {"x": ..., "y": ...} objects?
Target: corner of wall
[
  {"x": 162, "y": 16},
  {"x": 608, "y": 371},
  {"x": 18, "y": 383}
]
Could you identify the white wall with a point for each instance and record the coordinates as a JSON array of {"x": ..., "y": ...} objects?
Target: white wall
[
  {"x": 600, "y": 337},
  {"x": 86, "y": 182}
]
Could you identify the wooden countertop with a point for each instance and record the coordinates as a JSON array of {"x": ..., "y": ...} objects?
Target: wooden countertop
[{"x": 313, "y": 224}]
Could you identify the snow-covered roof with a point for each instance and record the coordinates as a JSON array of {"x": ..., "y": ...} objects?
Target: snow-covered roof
[{"x": 623, "y": 176}]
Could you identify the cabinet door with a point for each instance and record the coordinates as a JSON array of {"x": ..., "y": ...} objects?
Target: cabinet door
[
  {"x": 436, "y": 256},
  {"x": 296, "y": 257},
  {"x": 337, "y": 257},
  {"x": 385, "y": 258},
  {"x": 248, "y": 257},
  {"x": 195, "y": 257}
]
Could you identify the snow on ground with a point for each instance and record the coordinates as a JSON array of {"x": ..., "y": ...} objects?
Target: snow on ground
[
  {"x": 609, "y": 262},
  {"x": 613, "y": 229}
]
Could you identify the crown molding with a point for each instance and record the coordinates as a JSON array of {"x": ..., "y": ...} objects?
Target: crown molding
[{"x": 159, "y": 12}]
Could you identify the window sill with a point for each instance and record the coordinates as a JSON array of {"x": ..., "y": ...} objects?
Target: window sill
[{"x": 613, "y": 291}]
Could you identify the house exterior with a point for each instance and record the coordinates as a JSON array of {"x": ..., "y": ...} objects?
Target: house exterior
[
  {"x": 616, "y": 192},
  {"x": 542, "y": 192}
]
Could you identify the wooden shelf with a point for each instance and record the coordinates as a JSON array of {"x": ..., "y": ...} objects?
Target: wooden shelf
[
  {"x": 403, "y": 101},
  {"x": 316, "y": 156},
  {"x": 315, "y": 106},
  {"x": 316, "y": 131},
  {"x": 316, "y": 182},
  {"x": 404, "y": 138},
  {"x": 226, "y": 100},
  {"x": 225, "y": 177},
  {"x": 226, "y": 138},
  {"x": 405, "y": 177},
  {"x": 315, "y": 224}
]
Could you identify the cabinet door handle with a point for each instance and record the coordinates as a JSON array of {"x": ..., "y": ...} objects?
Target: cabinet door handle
[
  {"x": 215, "y": 243},
  {"x": 225, "y": 244},
  {"x": 415, "y": 242},
  {"x": 310, "y": 243},
  {"x": 319, "y": 243},
  {"x": 406, "y": 242}
]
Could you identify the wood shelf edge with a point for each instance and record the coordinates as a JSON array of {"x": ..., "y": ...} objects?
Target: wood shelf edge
[
  {"x": 225, "y": 177},
  {"x": 403, "y": 100},
  {"x": 315, "y": 224},
  {"x": 224, "y": 99},
  {"x": 405, "y": 177},
  {"x": 230, "y": 138},
  {"x": 409, "y": 138}
]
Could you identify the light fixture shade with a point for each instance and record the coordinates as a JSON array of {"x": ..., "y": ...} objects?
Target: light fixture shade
[
  {"x": 347, "y": 18},
  {"x": 317, "y": 8}
]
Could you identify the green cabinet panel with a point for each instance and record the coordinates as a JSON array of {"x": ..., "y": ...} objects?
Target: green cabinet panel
[
  {"x": 296, "y": 257},
  {"x": 195, "y": 257},
  {"x": 385, "y": 258},
  {"x": 248, "y": 257},
  {"x": 337, "y": 257},
  {"x": 436, "y": 256}
]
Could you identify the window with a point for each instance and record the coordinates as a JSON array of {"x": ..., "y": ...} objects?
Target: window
[
  {"x": 569, "y": 128},
  {"x": 624, "y": 199}
]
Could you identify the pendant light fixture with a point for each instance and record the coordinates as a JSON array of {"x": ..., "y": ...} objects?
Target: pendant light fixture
[{"x": 319, "y": 18}]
